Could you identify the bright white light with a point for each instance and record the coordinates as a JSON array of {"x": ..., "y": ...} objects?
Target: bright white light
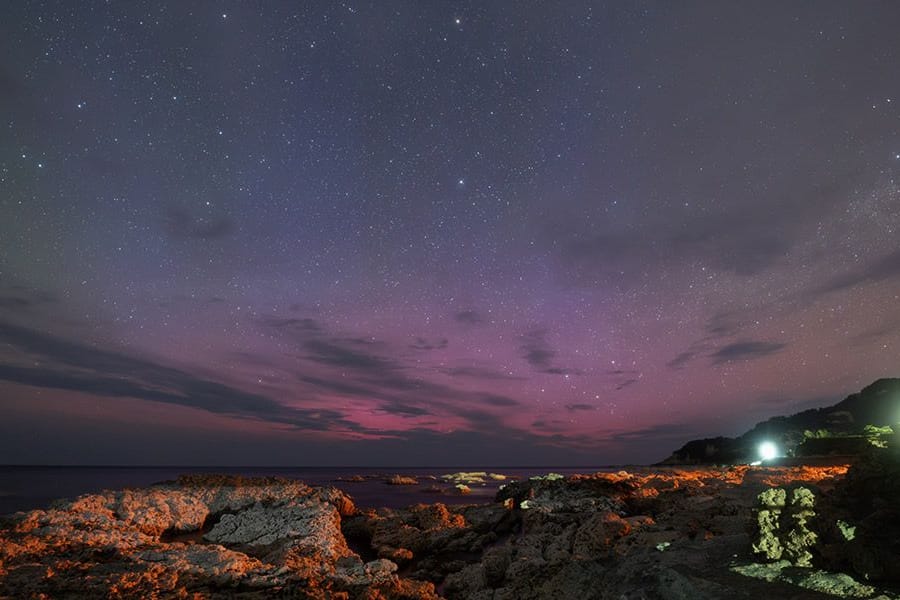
[{"x": 767, "y": 451}]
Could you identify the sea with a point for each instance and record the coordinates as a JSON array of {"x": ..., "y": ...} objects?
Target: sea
[{"x": 25, "y": 488}]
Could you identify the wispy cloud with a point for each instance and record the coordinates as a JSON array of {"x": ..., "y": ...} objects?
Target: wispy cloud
[
  {"x": 881, "y": 269},
  {"x": 498, "y": 400},
  {"x": 336, "y": 354},
  {"x": 680, "y": 361},
  {"x": 424, "y": 344},
  {"x": 469, "y": 317},
  {"x": 538, "y": 353},
  {"x": 480, "y": 373},
  {"x": 745, "y": 350},
  {"x": 388, "y": 383},
  {"x": 78, "y": 367},
  {"x": 627, "y": 383},
  {"x": 749, "y": 237},
  {"x": 20, "y": 299},
  {"x": 296, "y": 326},
  {"x": 737, "y": 351}
]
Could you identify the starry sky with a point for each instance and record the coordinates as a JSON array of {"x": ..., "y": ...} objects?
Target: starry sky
[{"x": 437, "y": 232}]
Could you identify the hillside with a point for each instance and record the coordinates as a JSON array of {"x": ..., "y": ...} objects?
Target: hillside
[{"x": 843, "y": 423}]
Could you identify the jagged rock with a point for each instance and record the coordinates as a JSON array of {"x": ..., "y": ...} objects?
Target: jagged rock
[
  {"x": 597, "y": 534},
  {"x": 769, "y": 523},
  {"x": 555, "y": 494},
  {"x": 213, "y": 562},
  {"x": 303, "y": 535},
  {"x": 667, "y": 534},
  {"x": 784, "y": 525},
  {"x": 431, "y": 540},
  {"x": 267, "y": 534},
  {"x": 355, "y": 573}
]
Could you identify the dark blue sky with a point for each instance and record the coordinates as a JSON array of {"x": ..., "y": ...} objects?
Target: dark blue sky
[{"x": 439, "y": 232}]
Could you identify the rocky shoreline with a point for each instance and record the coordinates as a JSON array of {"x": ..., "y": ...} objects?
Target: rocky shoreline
[{"x": 693, "y": 533}]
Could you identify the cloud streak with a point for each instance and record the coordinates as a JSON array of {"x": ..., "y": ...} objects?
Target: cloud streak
[
  {"x": 745, "y": 350},
  {"x": 750, "y": 237},
  {"x": 480, "y": 373},
  {"x": 366, "y": 372},
  {"x": 469, "y": 317},
  {"x": 732, "y": 352},
  {"x": 21, "y": 299},
  {"x": 376, "y": 378},
  {"x": 78, "y": 367},
  {"x": 538, "y": 353},
  {"x": 885, "y": 268},
  {"x": 424, "y": 344}
]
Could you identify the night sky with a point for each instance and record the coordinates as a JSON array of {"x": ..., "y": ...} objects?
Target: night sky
[{"x": 421, "y": 233}]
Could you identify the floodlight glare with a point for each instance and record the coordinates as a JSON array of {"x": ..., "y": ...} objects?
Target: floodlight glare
[{"x": 767, "y": 451}]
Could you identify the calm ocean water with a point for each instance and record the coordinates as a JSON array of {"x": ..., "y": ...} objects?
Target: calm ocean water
[{"x": 26, "y": 488}]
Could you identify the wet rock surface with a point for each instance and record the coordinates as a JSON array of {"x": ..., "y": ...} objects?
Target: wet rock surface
[{"x": 665, "y": 534}]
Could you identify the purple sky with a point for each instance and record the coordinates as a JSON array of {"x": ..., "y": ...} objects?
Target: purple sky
[{"x": 419, "y": 233}]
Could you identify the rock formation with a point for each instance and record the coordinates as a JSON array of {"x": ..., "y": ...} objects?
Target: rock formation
[
  {"x": 665, "y": 533},
  {"x": 201, "y": 534},
  {"x": 784, "y": 525}
]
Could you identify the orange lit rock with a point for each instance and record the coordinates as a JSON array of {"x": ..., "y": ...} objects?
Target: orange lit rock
[
  {"x": 651, "y": 531},
  {"x": 266, "y": 534}
]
